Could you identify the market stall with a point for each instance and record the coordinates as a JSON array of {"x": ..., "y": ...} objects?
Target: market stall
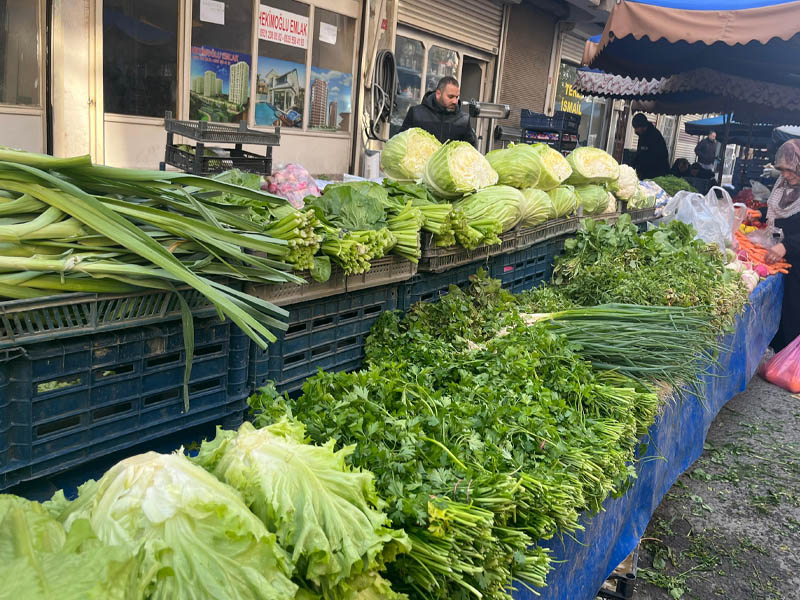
[{"x": 445, "y": 448}]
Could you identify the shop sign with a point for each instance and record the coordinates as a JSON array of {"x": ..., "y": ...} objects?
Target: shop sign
[
  {"x": 568, "y": 99},
  {"x": 282, "y": 27}
]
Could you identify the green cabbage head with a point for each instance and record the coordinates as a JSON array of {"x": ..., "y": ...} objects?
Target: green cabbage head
[
  {"x": 404, "y": 155},
  {"x": 555, "y": 168},
  {"x": 456, "y": 169},
  {"x": 564, "y": 199},
  {"x": 593, "y": 199},
  {"x": 519, "y": 165},
  {"x": 592, "y": 165},
  {"x": 196, "y": 537},
  {"x": 536, "y": 207}
]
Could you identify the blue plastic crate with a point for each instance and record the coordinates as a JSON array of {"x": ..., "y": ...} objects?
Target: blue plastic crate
[
  {"x": 328, "y": 333},
  {"x": 429, "y": 287},
  {"x": 63, "y": 403},
  {"x": 528, "y": 268}
]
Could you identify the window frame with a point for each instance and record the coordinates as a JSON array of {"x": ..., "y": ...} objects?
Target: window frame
[
  {"x": 34, "y": 109},
  {"x": 347, "y": 8},
  {"x": 353, "y": 12}
]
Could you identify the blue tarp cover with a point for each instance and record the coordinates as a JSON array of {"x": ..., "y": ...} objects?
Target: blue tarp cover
[{"x": 675, "y": 442}]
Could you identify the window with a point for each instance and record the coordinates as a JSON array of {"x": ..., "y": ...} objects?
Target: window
[
  {"x": 19, "y": 52},
  {"x": 221, "y": 62},
  {"x": 442, "y": 62},
  {"x": 332, "y": 71},
  {"x": 409, "y": 55},
  {"x": 140, "y": 57},
  {"x": 592, "y": 130},
  {"x": 281, "y": 72}
]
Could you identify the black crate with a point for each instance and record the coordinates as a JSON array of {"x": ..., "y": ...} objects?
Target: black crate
[
  {"x": 533, "y": 120},
  {"x": 68, "y": 315},
  {"x": 438, "y": 259},
  {"x": 231, "y": 158},
  {"x": 219, "y": 133},
  {"x": 64, "y": 403},
  {"x": 566, "y": 121},
  {"x": 429, "y": 287},
  {"x": 528, "y": 268},
  {"x": 327, "y": 333}
]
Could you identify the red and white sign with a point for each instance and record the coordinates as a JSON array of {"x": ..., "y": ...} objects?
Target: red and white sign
[{"x": 282, "y": 27}]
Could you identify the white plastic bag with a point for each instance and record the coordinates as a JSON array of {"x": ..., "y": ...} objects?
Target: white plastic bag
[
  {"x": 711, "y": 215},
  {"x": 760, "y": 191}
]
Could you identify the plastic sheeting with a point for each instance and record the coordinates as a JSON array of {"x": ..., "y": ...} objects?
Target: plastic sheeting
[{"x": 676, "y": 441}]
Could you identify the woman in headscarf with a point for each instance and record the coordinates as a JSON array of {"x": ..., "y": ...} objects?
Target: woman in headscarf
[{"x": 783, "y": 215}]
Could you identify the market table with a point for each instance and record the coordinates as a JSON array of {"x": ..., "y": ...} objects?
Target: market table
[{"x": 675, "y": 442}]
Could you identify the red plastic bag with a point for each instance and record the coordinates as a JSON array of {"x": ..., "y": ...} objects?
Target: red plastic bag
[{"x": 783, "y": 369}]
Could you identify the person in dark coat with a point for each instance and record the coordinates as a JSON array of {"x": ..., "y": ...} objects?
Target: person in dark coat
[
  {"x": 652, "y": 158},
  {"x": 440, "y": 114},
  {"x": 783, "y": 213},
  {"x": 699, "y": 171},
  {"x": 706, "y": 151}
]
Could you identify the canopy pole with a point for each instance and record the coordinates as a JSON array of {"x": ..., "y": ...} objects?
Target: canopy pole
[{"x": 724, "y": 147}]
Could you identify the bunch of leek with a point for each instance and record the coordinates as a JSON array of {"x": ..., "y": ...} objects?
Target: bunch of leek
[{"x": 71, "y": 226}]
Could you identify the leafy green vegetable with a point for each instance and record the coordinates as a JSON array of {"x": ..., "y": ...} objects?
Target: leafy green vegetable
[
  {"x": 555, "y": 168},
  {"x": 519, "y": 165},
  {"x": 404, "y": 156},
  {"x": 489, "y": 212},
  {"x": 456, "y": 169},
  {"x": 40, "y": 561},
  {"x": 593, "y": 199},
  {"x": 325, "y": 514},
  {"x": 481, "y": 443},
  {"x": 535, "y": 208},
  {"x": 564, "y": 199},
  {"x": 196, "y": 536},
  {"x": 672, "y": 184},
  {"x": 665, "y": 266},
  {"x": 354, "y": 205},
  {"x": 592, "y": 165}
]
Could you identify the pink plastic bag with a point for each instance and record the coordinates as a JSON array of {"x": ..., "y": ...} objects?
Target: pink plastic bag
[
  {"x": 292, "y": 182},
  {"x": 783, "y": 369}
]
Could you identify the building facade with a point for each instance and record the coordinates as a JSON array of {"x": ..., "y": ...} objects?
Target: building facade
[{"x": 100, "y": 79}]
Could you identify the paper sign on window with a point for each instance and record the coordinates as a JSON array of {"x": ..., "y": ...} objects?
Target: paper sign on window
[
  {"x": 212, "y": 11},
  {"x": 282, "y": 27},
  {"x": 327, "y": 33}
]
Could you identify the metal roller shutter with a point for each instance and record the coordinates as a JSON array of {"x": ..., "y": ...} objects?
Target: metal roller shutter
[
  {"x": 529, "y": 42},
  {"x": 476, "y": 23},
  {"x": 572, "y": 48},
  {"x": 686, "y": 142}
]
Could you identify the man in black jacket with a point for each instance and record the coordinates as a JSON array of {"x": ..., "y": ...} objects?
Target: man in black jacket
[
  {"x": 652, "y": 158},
  {"x": 440, "y": 115},
  {"x": 706, "y": 151}
]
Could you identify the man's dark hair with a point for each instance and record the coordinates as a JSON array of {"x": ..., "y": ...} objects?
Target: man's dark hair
[
  {"x": 639, "y": 120},
  {"x": 445, "y": 81}
]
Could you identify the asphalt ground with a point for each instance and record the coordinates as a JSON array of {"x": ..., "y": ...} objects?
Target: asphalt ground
[{"x": 730, "y": 526}]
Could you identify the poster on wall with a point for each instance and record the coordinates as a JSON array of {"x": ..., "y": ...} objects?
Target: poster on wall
[
  {"x": 282, "y": 27},
  {"x": 220, "y": 85},
  {"x": 331, "y": 93},
  {"x": 280, "y": 92}
]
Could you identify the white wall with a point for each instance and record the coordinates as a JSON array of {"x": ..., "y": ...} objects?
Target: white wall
[
  {"x": 22, "y": 131},
  {"x": 70, "y": 74}
]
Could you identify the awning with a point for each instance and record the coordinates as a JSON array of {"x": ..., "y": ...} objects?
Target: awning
[
  {"x": 700, "y": 90},
  {"x": 757, "y": 39},
  {"x": 739, "y": 133}
]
